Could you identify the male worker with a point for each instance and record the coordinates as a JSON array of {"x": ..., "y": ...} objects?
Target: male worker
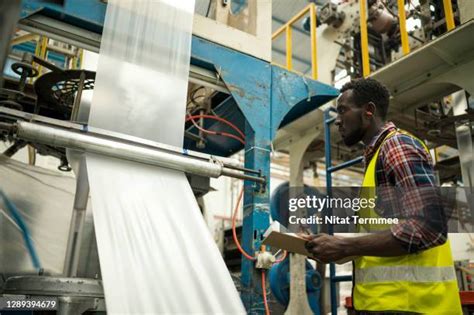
[{"x": 405, "y": 268}]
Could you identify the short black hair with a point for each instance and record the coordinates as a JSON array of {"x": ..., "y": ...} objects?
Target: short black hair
[{"x": 369, "y": 90}]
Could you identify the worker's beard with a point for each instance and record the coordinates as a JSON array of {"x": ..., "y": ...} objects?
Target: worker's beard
[{"x": 355, "y": 136}]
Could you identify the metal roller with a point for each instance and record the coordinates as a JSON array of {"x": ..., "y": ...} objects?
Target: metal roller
[{"x": 127, "y": 150}]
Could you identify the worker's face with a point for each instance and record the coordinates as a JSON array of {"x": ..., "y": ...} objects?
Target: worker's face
[{"x": 350, "y": 120}]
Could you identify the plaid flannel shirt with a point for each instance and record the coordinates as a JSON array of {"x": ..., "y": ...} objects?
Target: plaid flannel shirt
[{"x": 404, "y": 163}]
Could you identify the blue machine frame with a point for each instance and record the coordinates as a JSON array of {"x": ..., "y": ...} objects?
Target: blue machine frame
[
  {"x": 267, "y": 96},
  {"x": 333, "y": 278}
]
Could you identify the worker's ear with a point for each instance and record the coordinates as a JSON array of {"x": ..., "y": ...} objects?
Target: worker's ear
[{"x": 369, "y": 110}]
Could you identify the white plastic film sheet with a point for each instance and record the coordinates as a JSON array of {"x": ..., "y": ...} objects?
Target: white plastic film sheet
[{"x": 156, "y": 253}]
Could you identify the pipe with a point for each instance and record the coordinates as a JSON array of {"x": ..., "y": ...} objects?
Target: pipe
[
  {"x": 289, "y": 50},
  {"x": 235, "y": 174},
  {"x": 346, "y": 164},
  {"x": 76, "y": 229},
  {"x": 364, "y": 38},
  {"x": 448, "y": 13},
  {"x": 9, "y": 129},
  {"x": 243, "y": 169},
  {"x": 403, "y": 27},
  {"x": 77, "y": 99},
  {"x": 86, "y": 142},
  {"x": 314, "y": 50},
  {"x": 119, "y": 149}
]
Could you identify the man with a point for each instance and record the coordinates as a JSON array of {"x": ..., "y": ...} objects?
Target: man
[{"x": 405, "y": 268}]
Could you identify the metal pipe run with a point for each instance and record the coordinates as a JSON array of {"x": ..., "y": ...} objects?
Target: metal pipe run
[
  {"x": 117, "y": 148},
  {"x": 76, "y": 229},
  {"x": 346, "y": 164}
]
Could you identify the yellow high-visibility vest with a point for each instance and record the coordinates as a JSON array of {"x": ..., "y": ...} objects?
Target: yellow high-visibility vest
[{"x": 423, "y": 282}]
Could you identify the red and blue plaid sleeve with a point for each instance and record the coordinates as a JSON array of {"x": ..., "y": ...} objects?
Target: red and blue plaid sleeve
[{"x": 405, "y": 164}]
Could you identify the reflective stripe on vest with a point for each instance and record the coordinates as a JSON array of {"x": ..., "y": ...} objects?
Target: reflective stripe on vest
[
  {"x": 423, "y": 282},
  {"x": 405, "y": 273}
]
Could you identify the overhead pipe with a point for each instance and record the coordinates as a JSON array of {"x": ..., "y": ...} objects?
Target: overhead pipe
[{"x": 127, "y": 150}]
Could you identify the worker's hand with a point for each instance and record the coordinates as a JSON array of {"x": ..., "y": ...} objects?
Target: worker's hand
[{"x": 326, "y": 248}]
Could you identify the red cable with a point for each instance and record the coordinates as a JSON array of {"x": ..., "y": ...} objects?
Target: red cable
[
  {"x": 264, "y": 291},
  {"x": 237, "y": 243},
  {"x": 211, "y": 132},
  {"x": 234, "y": 216},
  {"x": 234, "y": 233},
  {"x": 228, "y": 123}
]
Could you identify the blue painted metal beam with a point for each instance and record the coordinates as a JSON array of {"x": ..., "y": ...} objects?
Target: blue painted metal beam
[
  {"x": 328, "y": 120},
  {"x": 249, "y": 81},
  {"x": 87, "y": 14},
  {"x": 346, "y": 164},
  {"x": 268, "y": 97}
]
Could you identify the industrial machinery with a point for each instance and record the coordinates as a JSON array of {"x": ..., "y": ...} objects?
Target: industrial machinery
[
  {"x": 279, "y": 283},
  {"x": 396, "y": 42},
  {"x": 237, "y": 100}
]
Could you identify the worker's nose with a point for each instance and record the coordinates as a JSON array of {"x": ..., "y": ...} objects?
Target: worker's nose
[{"x": 338, "y": 121}]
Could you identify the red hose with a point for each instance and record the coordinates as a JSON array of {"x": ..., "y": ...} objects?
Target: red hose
[
  {"x": 234, "y": 233},
  {"x": 211, "y": 132},
  {"x": 228, "y": 123},
  {"x": 264, "y": 291},
  {"x": 234, "y": 216}
]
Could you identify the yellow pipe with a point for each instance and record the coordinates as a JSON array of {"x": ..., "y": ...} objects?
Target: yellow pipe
[
  {"x": 43, "y": 43},
  {"x": 23, "y": 39},
  {"x": 279, "y": 31},
  {"x": 311, "y": 8},
  {"x": 314, "y": 51},
  {"x": 38, "y": 46},
  {"x": 77, "y": 59},
  {"x": 80, "y": 57},
  {"x": 364, "y": 39},
  {"x": 37, "y": 52},
  {"x": 403, "y": 27},
  {"x": 291, "y": 21},
  {"x": 289, "y": 52},
  {"x": 448, "y": 14}
]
